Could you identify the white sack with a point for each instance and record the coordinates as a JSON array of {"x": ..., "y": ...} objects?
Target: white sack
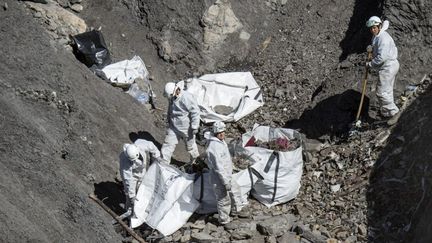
[
  {"x": 289, "y": 171},
  {"x": 125, "y": 72},
  {"x": 165, "y": 199},
  {"x": 238, "y": 90}
]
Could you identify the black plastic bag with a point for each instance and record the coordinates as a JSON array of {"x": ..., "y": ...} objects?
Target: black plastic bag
[{"x": 90, "y": 49}]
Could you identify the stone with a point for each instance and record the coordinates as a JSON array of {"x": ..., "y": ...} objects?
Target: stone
[
  {"x": 209, "y": 227},
  {"x": 58, "y": 16},
  {"x": 276, "y": 226},
  {"x": 176, "y": 236},
  {"x": 202, "y": 237},
  {"x": 244, "y": 224},
  {"x": 270, "y": 239},
  {"x": 345, "y": 64},
  {"x": 351, "y": 239},
  {"x": 290, "y": 237},
  {"x": 332, "y": 240},
  {"x": 335, "y": 188},
  {"x": 199, "y": 224},
  {"x": 242, "y": 234},
  {"x": 219, "y": 21},
  {"x": 362, "y": 230},
  {"x": 303, "y": 211},
  {"x": 185, "y": 238},
  {"x": 342, "y": 235},
  {"x": 77, "y": 8},
  {"x": 244, "y": 36},
  {"x": 5, "y": 6}
]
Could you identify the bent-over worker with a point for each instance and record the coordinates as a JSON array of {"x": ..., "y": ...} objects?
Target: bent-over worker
[{"x": 134, "y": 161}]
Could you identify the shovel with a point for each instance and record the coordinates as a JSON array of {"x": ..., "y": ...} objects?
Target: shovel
[{"x": 357, "y": 122}]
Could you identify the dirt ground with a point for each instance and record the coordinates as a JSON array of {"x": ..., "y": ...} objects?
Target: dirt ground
[{"x": 62, "y": 127}]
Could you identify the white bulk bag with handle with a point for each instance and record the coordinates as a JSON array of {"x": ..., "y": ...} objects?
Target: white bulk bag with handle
[
  {"x": 238, "y": 92},
  {"x": 280, "y": 171},
  {"x": 165, "y": 199}
]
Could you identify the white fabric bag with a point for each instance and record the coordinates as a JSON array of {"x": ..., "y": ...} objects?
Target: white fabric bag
[
  {"x": 126, "y": 71},
  {"x": 237, "y": 91},
  {"x": 165, "y": 199},
  {"x": 281, "y": 171}
]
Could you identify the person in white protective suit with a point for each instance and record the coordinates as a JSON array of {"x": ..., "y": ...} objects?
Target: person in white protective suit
[
  {"x": 183, "y": 121},
  {"x": 134, "y": 161},
  {"x": 384, "y": 58},
  {"x": 220, "y": 166}
]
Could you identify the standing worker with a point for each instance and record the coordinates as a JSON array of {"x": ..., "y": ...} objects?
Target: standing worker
[
  {"x": 183, "y": 121},
  {"x": 133, "y": 165},
  {"x": 220, "y": 166},
  {"x": 384, "y": 58}
]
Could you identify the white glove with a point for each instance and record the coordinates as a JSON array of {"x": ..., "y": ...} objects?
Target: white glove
[
  {"x": 228, "y": 187},
  {"x": 369, "y": 64}
]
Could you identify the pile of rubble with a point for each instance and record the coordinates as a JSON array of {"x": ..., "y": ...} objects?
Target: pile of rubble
[{"x": 331, "y": 206}]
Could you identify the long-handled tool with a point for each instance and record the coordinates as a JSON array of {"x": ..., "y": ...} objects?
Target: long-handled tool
[
  {"x": 363, "y": 88},
  {"x": 116, "y": 217},
  {"x": 357, "y": 122}
]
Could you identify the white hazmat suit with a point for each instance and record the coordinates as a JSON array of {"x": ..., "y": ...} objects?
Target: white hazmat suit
[
  {"x": 132, "y": 172},
  {"x": 183, "y": 122},
  {"x": 220, "y": 165},
  {"x": 385, "y": 56}
]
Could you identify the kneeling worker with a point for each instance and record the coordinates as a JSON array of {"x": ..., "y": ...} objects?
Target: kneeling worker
[
  {"x": 134, "y": 161},
  {"x": 220, "y": 165}
]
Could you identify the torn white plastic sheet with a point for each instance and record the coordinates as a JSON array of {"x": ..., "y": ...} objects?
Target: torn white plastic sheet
[
  {"x": 125, "y": 72},
  {"x": 165, "y": 199},
  {"x": 237, "y": 91},
  {"x": 281, "y": 171}
]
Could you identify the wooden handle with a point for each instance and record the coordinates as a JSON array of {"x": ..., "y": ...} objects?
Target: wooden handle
[{"x": 116, "y": 217}]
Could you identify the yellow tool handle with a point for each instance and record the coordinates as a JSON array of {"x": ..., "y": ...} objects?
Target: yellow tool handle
[
  {"x": 114, "y": 215},
  {"x": 364, "y": 86}
]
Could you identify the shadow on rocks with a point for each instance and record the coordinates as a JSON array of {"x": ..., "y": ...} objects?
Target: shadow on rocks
[
  {"x": 111, "y": 194},
  {"x": 357, "y": 36},
  {"x": 332, "y": 116},
  {"x": 399, "y": 194},
  {"x": 133, "y": 136}
]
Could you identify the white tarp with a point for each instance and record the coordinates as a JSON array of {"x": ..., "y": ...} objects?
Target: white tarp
[
  {"x": 125, "y": 72},
  {"x": 281, "y": 171},
  {"x": 165, "y": 199},
  {"x": 237, "y": 90}
]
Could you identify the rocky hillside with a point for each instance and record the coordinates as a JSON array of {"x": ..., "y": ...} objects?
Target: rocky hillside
[{"x": 63, "y": 127}]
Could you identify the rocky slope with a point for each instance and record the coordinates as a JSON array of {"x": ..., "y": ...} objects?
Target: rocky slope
[{"x": 63, "y": 128}]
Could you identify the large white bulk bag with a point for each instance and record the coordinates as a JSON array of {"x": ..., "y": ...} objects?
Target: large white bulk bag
[
  {"x": 281, "y": 171},
  {"x": 165, "y": 199},
  {"x": 237, "y": 91}
]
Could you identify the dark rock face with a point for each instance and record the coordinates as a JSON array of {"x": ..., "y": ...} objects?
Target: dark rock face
[{"x": 62, "y": 128}]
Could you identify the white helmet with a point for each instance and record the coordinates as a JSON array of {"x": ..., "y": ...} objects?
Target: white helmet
[
  {"x": 218, "y": 127},
  {"x": 374, "y": 20},
  {"x": 169, "y": 89},
  {"x": 132, "y": 151}
]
